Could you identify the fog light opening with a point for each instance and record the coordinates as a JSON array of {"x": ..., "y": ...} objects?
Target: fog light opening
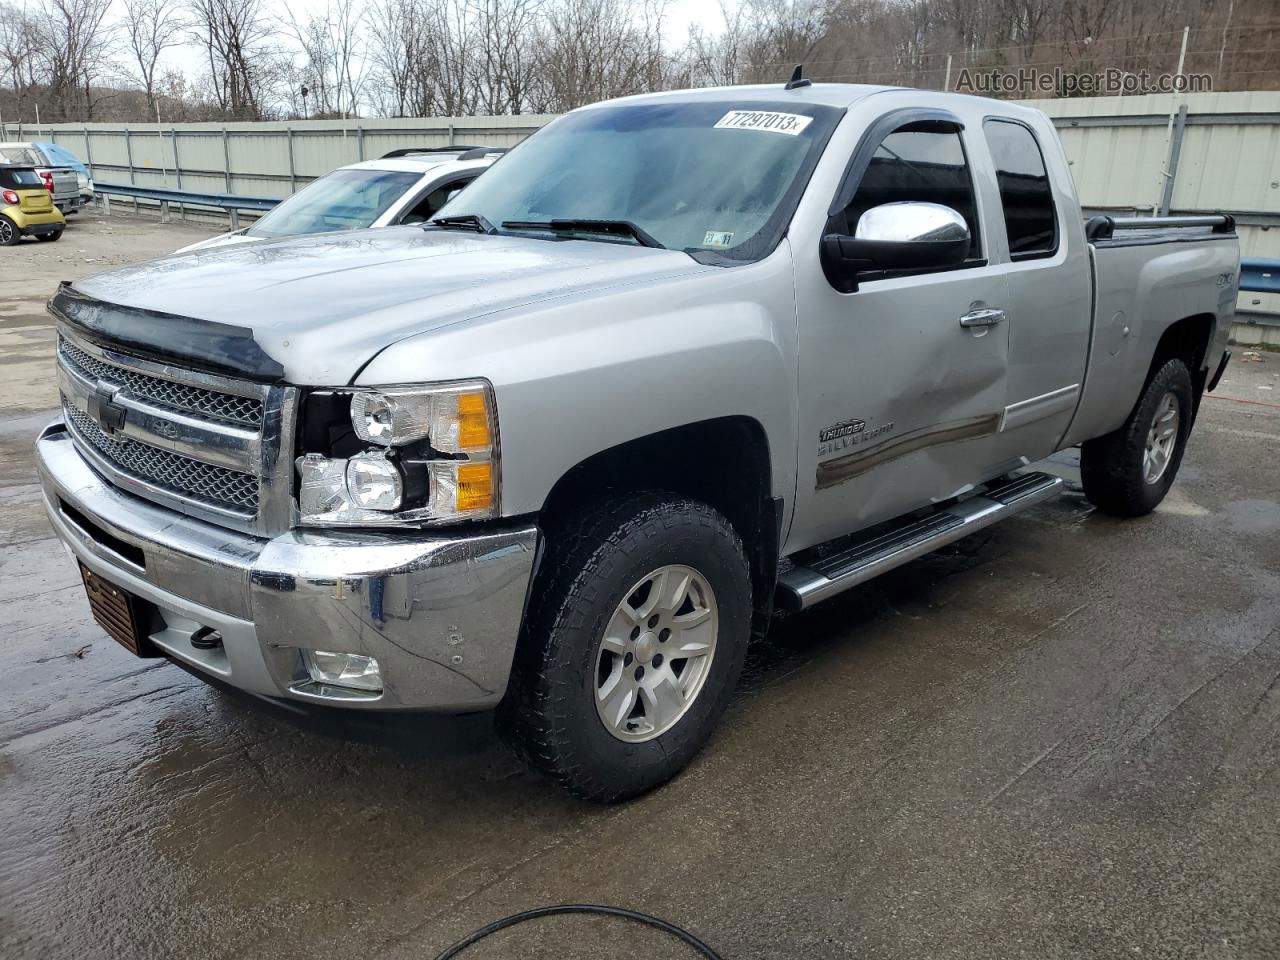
[{"x": 352, "y": 671}]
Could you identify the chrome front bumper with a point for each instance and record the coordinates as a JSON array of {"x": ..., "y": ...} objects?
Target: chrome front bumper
[{"x": 441, "y": 614}]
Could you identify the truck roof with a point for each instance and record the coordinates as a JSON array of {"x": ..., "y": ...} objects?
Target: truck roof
[
  {"x": 826, "y": 94},
  {"x": 420, "y": 163},
  {"x": 777, "y": 96}
]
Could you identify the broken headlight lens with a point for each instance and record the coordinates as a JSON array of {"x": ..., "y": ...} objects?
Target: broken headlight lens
[
  {"x": 456, "y": 418},
  {"x": 430, "y": 456},
  {"x": 363, "y": 488}
]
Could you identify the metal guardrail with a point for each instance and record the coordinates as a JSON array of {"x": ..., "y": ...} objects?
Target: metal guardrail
[
  {"x": 1260, "y": 276},
  {"x": 230, "y": 202}
]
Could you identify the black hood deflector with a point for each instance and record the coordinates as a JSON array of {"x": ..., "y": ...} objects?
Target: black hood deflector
[{"x": 204, "y": 344}]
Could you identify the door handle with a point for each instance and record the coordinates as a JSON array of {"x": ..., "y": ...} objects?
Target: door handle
[{"x": 981, "y": 318}]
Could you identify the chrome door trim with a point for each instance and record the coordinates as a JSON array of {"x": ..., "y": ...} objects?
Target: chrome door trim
[
  {"x": 1039, "y": 408},
  {"x": 832, "y": 472}
]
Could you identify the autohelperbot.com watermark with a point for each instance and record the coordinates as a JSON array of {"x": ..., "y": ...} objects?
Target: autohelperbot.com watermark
[{"x": 1111, "y": 81}]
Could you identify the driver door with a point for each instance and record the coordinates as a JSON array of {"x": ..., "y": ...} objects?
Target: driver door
[{"x": 902, "y": 393}]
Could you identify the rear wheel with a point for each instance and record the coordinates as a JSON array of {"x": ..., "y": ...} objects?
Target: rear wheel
[
  {"x": 50, "y": 237},
  {"x": 636, "y": 632},
  {"x": 1129, "y": 471},
  {"x": 9, "y": 234}
]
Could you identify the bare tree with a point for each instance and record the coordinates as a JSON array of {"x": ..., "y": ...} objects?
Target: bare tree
[
  {"x": 152, "y": 27},
  {"x": 595, "y": 49},
  {"x": 394, "y": 31},
  {"x": 235, "y": 35},
  {"x": 506, "y": 60},
  {"x": 335, "y": 64},
  {"x": 68, "y": 54}
]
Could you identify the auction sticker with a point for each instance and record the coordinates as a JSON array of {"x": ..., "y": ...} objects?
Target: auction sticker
[{"x": 768, "y": 121}]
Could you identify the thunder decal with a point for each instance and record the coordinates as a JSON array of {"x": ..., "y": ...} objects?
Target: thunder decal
[
  {"x": 855, "y": 462},
  {"x": 848, "y": 433}
]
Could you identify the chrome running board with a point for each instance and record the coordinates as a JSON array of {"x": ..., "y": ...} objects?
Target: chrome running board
[{"x": 864, "y": 556}]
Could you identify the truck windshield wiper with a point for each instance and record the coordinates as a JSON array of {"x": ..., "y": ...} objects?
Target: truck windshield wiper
[
  {"x": 464, "y": 221},
  {"x": 615, "y": 228}
]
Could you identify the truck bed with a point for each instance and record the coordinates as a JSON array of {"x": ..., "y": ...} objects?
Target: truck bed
[{"x": 1147, "y": 273}]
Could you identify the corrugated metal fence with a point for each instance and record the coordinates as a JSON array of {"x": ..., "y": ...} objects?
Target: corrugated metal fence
[
  {"x": 257, "y": 159},
  {"x": 1178, "y": 153}
]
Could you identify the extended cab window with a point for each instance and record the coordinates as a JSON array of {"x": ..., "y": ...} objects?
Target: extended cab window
[
  {"x": 1029, "y": 215},
  {"x": 920, "y": 163}
]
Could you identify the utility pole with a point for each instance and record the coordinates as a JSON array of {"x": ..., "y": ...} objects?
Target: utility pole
[{"x": 1166, "y": 172}]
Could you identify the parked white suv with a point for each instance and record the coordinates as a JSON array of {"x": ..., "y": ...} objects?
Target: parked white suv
[{"x": 403, "y": 186}]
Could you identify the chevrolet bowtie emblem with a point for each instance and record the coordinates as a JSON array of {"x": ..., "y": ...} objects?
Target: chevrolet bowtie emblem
[{"x": 108, "y": 415}]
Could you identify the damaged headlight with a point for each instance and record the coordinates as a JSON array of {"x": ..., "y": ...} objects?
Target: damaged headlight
[
  {"x": 418, "y": 455},
  {"x": 457, "y": 418}
]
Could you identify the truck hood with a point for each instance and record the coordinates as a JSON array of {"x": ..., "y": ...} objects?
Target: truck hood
[{"x": 323, "y": 306}]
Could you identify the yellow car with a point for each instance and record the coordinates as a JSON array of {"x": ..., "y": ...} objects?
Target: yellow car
[{"x": 26, "y": 206}]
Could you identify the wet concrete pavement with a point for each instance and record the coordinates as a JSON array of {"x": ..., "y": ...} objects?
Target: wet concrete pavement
[{"x": 1059, "y": 738}]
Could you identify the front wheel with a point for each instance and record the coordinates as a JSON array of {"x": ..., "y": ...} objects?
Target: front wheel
[
  {"x": 636, "y": 633},
  {"x": 1129, "y": 471}
]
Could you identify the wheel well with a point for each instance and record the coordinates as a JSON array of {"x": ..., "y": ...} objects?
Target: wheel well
[
  {"x": 1186, "y": 340},
  {"x": 723, "y": 463}
]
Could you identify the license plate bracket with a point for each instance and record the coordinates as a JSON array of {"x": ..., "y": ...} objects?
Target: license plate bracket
[{"x": 118, "y": 613}]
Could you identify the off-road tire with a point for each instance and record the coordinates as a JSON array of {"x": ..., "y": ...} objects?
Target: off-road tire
[
  {"x": 592, "y": 559},
  {"x": 9, "y": 232},
  {"x": 50, "y": 237},
  {"x": 1111, "y": 466}
]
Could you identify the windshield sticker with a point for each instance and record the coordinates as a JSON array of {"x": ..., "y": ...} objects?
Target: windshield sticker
[
  {"x": 718, "y": 238},
  {"x": 788, "y": 123}
]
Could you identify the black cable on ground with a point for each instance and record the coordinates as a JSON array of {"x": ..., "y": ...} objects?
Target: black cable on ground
[{"x": 632, "y": 915}]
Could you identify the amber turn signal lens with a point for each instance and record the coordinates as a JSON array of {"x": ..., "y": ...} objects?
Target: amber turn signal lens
[
  {"x": 475, "y": 486},
  {"x": 473, "y": 421}
]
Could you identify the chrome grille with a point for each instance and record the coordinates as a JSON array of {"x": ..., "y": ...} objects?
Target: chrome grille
[
  {"x": 190, "y": 479},
  {"x": 194, "y": 401},
  {"x": 211, "y": 446}
]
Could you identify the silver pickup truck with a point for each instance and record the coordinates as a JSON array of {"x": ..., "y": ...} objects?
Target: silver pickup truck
[{"x": 674, "y": 362}]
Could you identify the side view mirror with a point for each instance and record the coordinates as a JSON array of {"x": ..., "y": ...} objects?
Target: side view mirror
[{"x": 909, "y": 235}]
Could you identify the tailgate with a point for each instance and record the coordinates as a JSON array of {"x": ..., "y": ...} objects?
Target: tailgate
[
  {"x": 34, "y": 201},
  {"x": 65, "y": 184}
]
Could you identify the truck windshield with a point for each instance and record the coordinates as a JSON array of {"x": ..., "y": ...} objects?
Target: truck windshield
[
  {"x": 343, "y": 200},
  {"x": 719, "y": 180}
]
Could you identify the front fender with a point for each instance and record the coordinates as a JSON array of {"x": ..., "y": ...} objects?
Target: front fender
[{"x": 577, "y": 375}]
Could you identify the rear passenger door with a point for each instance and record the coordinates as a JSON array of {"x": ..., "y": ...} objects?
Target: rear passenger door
[
  {"x": 900, "y": 397},
  {"x": 1049, "y": 310}
]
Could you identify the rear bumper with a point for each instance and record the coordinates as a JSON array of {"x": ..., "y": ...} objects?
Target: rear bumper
[
  {"x": 29, "y": 222},
  {"x": 440, "y": 613}
]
